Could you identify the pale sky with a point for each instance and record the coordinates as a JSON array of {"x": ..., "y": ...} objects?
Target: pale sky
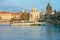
[{"x": 17, "y": 5}]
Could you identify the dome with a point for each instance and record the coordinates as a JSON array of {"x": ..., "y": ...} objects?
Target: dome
[{"x": 34, "y": 9}]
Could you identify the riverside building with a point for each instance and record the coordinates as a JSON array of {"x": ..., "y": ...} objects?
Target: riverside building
[{"x": 34, "y": 15}]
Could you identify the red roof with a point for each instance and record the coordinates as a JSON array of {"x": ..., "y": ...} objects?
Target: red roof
[{"x": 3, "y": 12}]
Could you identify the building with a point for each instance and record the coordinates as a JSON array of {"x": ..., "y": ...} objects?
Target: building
[
  {"x": 49, "y": 12},
  {"x": 14, "y": 15},
  {"x": 21, "y": 15},
  {"x": 48, "y": 9},
  {"x": 34, "y": 15},
  {"x": 41, "y": 16},
  {"x": 24, "y": 16},
  {"x": 5, "y": 15}
]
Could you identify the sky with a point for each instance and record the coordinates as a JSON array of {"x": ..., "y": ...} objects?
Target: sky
[{"x": 18, "y": 5}]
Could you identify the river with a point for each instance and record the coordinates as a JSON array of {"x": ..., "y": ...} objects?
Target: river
[{"x": 46, "y": 32}]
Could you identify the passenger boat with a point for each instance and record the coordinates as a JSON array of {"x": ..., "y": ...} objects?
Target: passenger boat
[{"x": 17, "y": 23}]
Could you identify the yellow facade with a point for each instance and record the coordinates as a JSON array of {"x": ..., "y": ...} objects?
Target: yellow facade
[{"x": 5, "y": 16}]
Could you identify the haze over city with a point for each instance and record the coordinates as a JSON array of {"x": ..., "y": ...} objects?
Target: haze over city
[{"x": 18, "y": 5}]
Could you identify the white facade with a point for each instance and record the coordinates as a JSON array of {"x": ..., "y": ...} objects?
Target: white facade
[{"x": 34, "y": 15}]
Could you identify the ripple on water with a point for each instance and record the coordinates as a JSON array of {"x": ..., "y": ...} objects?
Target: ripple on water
[{"x": 48, "y": 32}]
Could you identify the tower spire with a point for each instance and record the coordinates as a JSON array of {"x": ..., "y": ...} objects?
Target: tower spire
[{"x": 48, "y": 9}]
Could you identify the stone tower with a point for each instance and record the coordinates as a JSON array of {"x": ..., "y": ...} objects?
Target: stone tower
[{"x": 48, "y": 9}]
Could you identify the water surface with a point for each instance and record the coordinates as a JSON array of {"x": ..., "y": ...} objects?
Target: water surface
[{"x": 47, "y": 32}]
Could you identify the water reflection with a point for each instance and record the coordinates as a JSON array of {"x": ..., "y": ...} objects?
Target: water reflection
[
  {"x": 47, "y": 32},
  {"x": 53, "y": 32}
]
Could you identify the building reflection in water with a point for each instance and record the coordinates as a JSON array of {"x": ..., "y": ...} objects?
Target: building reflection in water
[
  {"x": 52, "y": 32},
  {"x": 49, "y": 32}
]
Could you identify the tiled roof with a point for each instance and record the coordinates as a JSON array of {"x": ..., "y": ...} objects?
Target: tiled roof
[{"x": 3, "y": 12}]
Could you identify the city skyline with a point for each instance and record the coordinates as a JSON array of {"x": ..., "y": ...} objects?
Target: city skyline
[{"x": 18, "y": 5}]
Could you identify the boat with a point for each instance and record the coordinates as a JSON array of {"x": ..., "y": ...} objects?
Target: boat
[{"x": 27, "y": 23}]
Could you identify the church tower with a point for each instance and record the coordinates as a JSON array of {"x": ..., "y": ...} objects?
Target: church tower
[{"x": 48, "y": 9}]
